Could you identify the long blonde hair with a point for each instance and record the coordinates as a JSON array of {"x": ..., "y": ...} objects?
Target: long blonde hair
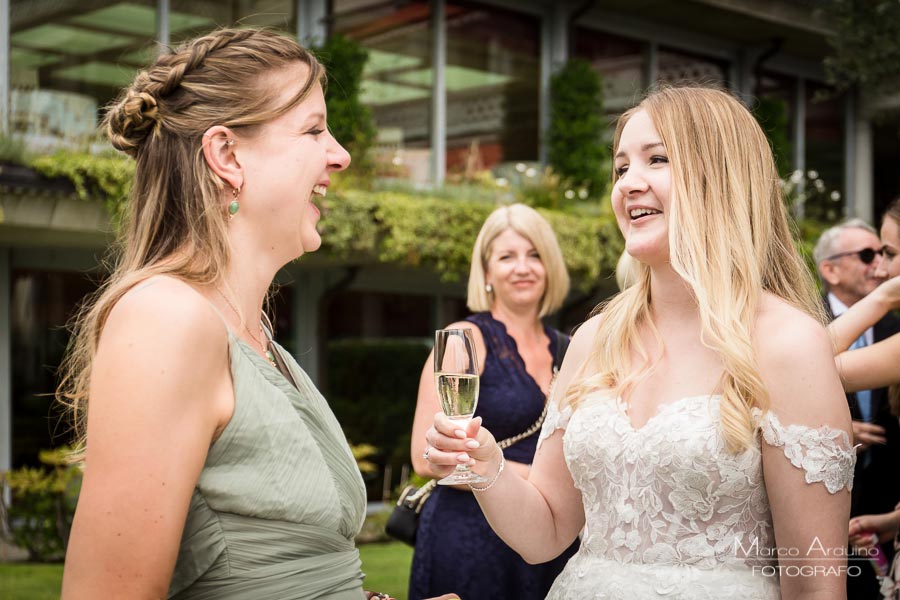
[
  {"x": 175, "y": 219},
  {"x": 729, "y": 240}
]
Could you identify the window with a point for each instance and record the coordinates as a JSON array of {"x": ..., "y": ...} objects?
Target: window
[
  {"x": 681, "y": 67},
  {"x": 397, "y": 79},
  {"x": 41, "y": 304},
  {"x": 621, "y": 64},
  {"x": 67, "y": 62},
  {"x": 493, "y": 87},
  {"x": 189, "y": 18}
]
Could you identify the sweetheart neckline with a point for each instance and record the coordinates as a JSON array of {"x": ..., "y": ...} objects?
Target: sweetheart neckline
[{"x": 660, "y": 409}]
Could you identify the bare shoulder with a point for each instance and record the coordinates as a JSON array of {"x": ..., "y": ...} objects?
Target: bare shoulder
[
  {"x": 783, "y": 332},
  {"x": 587, "y": 331},
  {"x": 165, "y": 336},
  {"x": 167, "y": 313},
  {"x": 580, "y": 347},
  {"x": 796, "y": 362}
]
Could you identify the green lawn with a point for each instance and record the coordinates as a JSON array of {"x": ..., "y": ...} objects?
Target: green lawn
[
  {"x": 386, "y": 567},
  {"x": 30, "y": 581}
]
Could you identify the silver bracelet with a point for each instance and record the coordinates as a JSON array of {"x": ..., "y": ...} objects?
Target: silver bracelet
[{"x": 494, "y": 480}]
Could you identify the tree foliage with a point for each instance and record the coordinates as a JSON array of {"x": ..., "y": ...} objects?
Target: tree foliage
[
  {"x": 772, "y": 114},
  {"x": 865, "y": 43},
  {"x": 576, "y": 149},
  {"x": 349, "y": 119}
]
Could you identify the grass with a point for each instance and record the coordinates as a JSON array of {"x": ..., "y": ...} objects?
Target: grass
[
  {"x": 386, "y": 567},
  {"x": 24, "y": 581}
]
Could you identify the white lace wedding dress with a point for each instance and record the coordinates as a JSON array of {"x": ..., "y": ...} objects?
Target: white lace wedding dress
[{"x": 669, "y": 512}]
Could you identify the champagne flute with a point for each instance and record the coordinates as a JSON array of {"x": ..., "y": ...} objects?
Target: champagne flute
[{"x": 456, "y": 380}]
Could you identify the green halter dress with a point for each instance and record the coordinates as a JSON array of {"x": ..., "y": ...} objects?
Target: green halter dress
[{"x": 280, "y": 498}]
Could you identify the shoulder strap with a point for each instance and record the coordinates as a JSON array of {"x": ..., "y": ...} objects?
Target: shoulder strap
[{"x": 280, "y": 363}]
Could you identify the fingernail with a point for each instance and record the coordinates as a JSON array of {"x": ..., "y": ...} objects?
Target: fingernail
[
  {"x": 473, "y": 444},
  {"x": 462, "y": 457},
  {"x": 460, "y": 434}
]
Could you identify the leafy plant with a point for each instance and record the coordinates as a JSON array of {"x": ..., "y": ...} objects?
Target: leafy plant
[
  {"x": 105, "y": 176},
  {"x": 422, "y": 230},
  {"x": 809, "y": 197},
  {"x": 349, "y": 119},
  {"x": 13, "y": 150},
  {"x": 864, "y": 39},
  {"x": 39, "y": 515},
  {"x": 575, "y": 145},
  {"x": 772, "y": 114}
]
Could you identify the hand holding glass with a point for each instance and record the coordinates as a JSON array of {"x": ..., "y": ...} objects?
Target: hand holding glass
[{"x": 456, "y": 380}]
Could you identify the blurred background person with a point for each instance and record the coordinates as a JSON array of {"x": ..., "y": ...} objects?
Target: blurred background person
[
  {"x": 848, "y": 257},
  {"x": 517, "y": 276},
  {"x": 876, "y": 366}
]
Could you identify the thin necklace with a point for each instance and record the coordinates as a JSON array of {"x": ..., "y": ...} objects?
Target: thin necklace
[{"x": 269, "y": 356}]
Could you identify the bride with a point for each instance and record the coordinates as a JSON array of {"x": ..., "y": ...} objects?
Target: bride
[{"x": 698, "y": 435}]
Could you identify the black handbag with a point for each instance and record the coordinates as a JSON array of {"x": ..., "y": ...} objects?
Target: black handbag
[
  {"x": 403, "y": 522},
  {"x": 404, "y": 519}
]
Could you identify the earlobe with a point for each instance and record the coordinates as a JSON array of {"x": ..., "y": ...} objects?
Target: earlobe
[{"x": 219, "y": 145}]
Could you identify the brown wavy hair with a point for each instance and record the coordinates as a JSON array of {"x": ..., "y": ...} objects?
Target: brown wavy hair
[{"x": 175, "y": 218}]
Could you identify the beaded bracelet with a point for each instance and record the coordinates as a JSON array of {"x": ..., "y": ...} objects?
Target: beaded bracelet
[{"x": 494, "y": 480}]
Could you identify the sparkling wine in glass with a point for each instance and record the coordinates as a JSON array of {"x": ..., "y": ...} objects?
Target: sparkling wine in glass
[{"x": 456, "y": 380}]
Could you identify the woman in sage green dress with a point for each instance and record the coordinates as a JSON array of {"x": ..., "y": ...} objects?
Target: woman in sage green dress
[{"x": 213, "y": 468}]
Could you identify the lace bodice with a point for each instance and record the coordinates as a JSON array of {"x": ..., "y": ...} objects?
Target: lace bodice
[{"x": 670, "y": 493}]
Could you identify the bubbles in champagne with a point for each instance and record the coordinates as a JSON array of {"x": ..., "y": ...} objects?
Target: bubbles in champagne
[{"x": 458, "y": 394}]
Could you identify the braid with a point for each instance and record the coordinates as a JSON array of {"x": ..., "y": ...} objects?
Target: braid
[{"x": 137, "y": 114}]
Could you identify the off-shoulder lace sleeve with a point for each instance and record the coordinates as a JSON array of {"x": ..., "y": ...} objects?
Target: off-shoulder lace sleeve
[
  {"x": 825, "y": 454},
  {"x": 554, "y": 420}
]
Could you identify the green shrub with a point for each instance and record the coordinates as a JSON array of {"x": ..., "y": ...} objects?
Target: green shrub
[
  {"x": 372, "y": 387},
  {"x": 772, "y": 114},
  {"x": 13, "y": 150},
  {"x": 39, "y": 515},
  {"x": 576, "y": 148},
  {"x": 105, "y": 177}
]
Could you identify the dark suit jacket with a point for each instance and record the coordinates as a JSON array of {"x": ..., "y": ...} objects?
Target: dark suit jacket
[{"x": 876, "y": 487}]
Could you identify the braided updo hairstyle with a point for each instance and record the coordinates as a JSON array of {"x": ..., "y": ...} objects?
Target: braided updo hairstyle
[{"x": 175, "y": 220}]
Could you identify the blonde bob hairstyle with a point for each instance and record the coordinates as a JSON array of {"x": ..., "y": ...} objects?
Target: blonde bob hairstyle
[
  {"x": 729, "y": 240},
  {"x": 525, "y": 221}
]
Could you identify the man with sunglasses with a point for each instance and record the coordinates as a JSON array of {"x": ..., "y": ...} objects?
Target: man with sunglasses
[{"x": 847, "y": 257}]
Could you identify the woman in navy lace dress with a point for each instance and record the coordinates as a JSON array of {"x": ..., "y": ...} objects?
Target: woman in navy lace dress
[{"x": 517, "y": 277}]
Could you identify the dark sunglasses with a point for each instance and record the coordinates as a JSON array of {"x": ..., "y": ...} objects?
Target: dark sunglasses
[{"x": 866, "y": 255}]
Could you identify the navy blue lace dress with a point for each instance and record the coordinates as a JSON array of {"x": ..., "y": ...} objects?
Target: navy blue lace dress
[{"x": 456, "y": 550}]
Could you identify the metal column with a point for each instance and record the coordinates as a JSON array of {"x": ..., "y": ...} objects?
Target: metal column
[
  {"x": 438, "y": 93},
  {"x": 799, "y": 140},
  {"x": 162, "y": 25},
  {"x": 5, "y": 89},
  {"x": 5, "y": 361}
]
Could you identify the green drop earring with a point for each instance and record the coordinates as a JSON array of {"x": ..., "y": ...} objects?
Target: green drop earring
[{"x": 233, "y": 206}]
